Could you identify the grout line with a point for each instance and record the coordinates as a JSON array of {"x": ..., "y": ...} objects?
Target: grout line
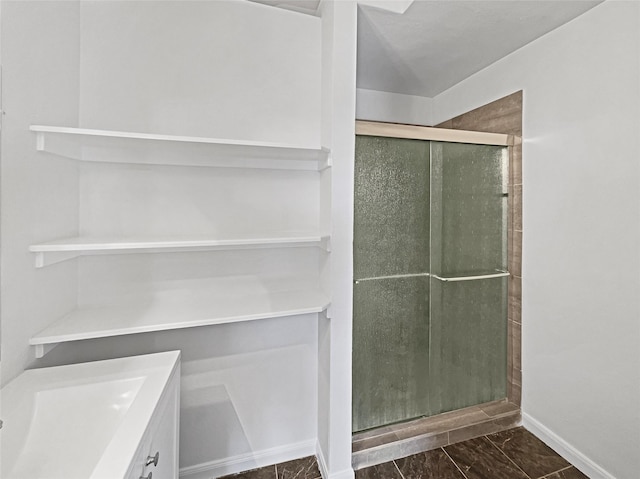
[
  {"x": 454, "y": 463},
  {"x": 398, "y": 469},
  {"x": 503, "y": 453},
  {"x": 556, "y": 472}
]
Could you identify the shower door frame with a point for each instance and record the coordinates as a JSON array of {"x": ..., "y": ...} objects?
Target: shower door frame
[
  {"x": 429, "y": 133},
  {"x": 391, "y": 442}
]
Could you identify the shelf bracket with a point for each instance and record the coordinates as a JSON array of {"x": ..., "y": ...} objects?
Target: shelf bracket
[
  {"x": 325, "y": 243},
  {"x": 325, "y": 160},
  {"x": 48, "y": 258},
  {"x": 57, "y": 145},
  {"x": 42, "y": 349},
  {"x": 40, "y": 141}
]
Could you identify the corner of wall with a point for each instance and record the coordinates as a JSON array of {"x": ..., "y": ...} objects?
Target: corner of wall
[
  {"x": 390, "y": 107},
  {"x": 39, "y": 196},
  {"x": 339, "y": 20}
]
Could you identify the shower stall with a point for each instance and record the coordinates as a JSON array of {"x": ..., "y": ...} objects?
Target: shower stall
[{"x": 430, "y": 274}]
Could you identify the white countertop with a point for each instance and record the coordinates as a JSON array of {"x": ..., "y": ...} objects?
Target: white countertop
[{"x": 82, "y": 420}]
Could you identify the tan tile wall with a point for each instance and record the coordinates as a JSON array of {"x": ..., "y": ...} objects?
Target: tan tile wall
[{"x": 505, "y": 116}]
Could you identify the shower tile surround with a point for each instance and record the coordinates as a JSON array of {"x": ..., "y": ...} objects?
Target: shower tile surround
[{"x": 391, "y": 442}]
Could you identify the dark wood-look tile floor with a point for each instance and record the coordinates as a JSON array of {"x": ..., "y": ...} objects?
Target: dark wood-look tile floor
[
  {"x": 511, "y": 454},
  {"x": 305, "y": 468}
]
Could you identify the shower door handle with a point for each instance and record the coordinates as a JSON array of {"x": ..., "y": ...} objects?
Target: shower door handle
[{"x": 499, "y": 274}]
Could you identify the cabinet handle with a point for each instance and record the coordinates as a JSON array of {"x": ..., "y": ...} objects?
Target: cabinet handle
[
  {"x": 153, "y": 460},
  {"x": 147, "y": 477}
]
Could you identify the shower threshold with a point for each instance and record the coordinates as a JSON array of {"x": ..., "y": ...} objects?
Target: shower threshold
[{"x": 387, "y": 443}]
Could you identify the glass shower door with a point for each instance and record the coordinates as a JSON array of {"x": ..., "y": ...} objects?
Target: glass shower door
[
  {"x": 468, "y": 282},
  {"x": 430, "y": 281},
  {"x": 391, "y": 283}
]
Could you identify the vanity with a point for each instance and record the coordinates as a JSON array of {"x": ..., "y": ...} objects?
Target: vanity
[{"x": 108, "y": 419}]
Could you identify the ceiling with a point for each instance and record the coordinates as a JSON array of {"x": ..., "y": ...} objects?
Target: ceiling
[
  {"x": 304, "y": 6},
  {"x": 435, "y": 44}
]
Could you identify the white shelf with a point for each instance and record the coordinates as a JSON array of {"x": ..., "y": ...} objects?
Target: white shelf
[
  {"x": 60, "y": 250},
  {"x": 129, "y": 147},
  {"x": 183, "y": 307}
]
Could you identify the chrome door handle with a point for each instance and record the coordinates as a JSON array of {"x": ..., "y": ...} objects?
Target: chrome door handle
[{"x": 153, "y": 460}]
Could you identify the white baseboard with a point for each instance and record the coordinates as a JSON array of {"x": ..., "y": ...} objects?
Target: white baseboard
[
  {"x": 566, "y": 450},
  {"x": 324, "y": 470},
  {"x": 251, "y": 460},
  {"x": 322, "y": 463}
]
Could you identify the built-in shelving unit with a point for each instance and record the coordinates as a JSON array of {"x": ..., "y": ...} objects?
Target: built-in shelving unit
[
  {"x": 60, "y": 250},
  {"x": 189, "y": 306},
  {"x": 144, "y": 148},
  {"x": 181, "y": 303}
]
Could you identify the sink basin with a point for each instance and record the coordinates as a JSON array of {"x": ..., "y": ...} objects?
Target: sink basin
[{"x": 82, "y": 420}]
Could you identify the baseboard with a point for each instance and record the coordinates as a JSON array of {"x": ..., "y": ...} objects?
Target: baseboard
[
  {"x": 566, "y": 450},
  {"x": 322, "y": 462},
  {"x": 251, "y": 460},
  {"x": 324, "y": 470}
]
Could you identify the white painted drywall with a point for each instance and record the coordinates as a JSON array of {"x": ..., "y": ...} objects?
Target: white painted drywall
[
  {"x": 335, "y": 334},
  {"x": 142, "y": 200},
  {"x": 40, "y": 68},
  {"x": 581, "y": 314},
  {"x": 226, "y": 69},
  {"x": 375, "y": 105}
]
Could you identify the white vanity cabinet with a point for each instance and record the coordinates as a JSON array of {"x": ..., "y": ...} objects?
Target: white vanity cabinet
[
  {"x": 157, "y": 455},
  {"x": 96, "y": 420}
]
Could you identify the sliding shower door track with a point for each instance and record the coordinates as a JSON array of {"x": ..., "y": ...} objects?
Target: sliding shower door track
[{"x": 388, "y": 443}]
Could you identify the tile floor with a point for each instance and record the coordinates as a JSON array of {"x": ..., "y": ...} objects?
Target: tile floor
[
  {"x": 305, "y": 468},
  {"x": 511, "y": 454}
]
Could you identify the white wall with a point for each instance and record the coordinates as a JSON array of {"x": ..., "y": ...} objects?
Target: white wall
[
  {"x": 335, "y": 334},
  {"x": 375, "y": 105},
  {"x": 40, "y": 70},
  {"x": 581, "y": 210},
  {"x": 226, "y": 69},
  {"x": 229, "y": 69}
]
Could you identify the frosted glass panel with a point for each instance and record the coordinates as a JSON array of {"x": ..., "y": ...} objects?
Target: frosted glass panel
[
  {"x": 390, "y": 351},
  {"x": 422, "y": 346},
  {"x": 391, "y": 222},
  {"x": 468, "y": 208},
  {"x": 469, "y": 342}
]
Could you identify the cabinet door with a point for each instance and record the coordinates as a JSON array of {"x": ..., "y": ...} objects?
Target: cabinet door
[
  {"x": 137, "y": 468},
  {"x": 164, "y": 440}
]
